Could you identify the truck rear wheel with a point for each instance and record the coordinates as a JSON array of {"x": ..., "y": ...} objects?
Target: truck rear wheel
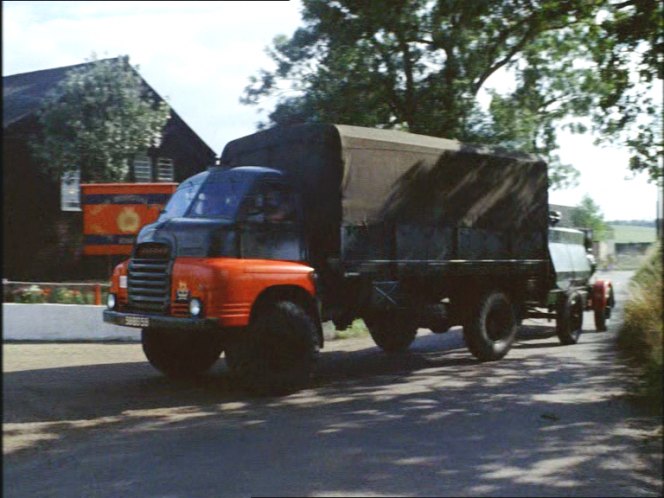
[
  {"x": 569, "y": 320},
  {"x": 181, "y": 354},
  {"x": 391, "y": 331},
  {"x": 491, "y": 329},
  {"x": 276, "y": 353}
]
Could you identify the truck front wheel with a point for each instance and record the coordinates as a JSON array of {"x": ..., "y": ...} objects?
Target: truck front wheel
[
  {"x": 491, "y": 328},
  {"x": 391, "y": 330},
  {"x": 179, "y": 354},
  {"x": 569, "y": 319},
  {"x": 276, "y": 353}
]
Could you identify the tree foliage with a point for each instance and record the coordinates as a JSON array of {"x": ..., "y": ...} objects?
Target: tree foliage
[
  {"x": 629, "y": 57},
  {"x": 424, "y": 66},
  {"x": 97, "y": 119},
  {"x": 589, "y": 215}
]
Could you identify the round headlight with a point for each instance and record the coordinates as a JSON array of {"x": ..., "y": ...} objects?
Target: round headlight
[
  {"x": 111, "y": 301},
  {"x": 195, "y": 307}
]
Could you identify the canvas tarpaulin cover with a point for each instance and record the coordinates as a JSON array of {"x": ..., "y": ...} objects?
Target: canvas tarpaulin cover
[{"x": 353, "y": 176}]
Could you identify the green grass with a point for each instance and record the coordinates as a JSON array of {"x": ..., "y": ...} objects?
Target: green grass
[
  {"x": 629, "y": 233},
  {"x": 356, "y": 329},
  {"x": 641, "y": 334},
  {"x": 629, "y": 261}
]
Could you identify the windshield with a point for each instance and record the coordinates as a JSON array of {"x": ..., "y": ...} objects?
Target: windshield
[
  {"x": 219, "y": 197},
  {"x": 181, "y": 199},
  {"x": 208, "y": 195}
]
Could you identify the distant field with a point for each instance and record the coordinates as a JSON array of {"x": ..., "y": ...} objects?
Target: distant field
[{"x": 635, "y": 234}]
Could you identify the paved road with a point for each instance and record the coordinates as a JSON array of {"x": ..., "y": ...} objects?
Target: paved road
[{"x": 96, "y": 420}]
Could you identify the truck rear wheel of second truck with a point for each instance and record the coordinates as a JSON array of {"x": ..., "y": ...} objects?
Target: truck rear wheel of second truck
[
  {"x": 491, "y": 327},
  {"x": 569, "y": 322}
]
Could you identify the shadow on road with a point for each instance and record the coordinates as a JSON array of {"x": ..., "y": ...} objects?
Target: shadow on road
[
  {"x": 416, "y": 423},
  {"x": 109, "y": 389}
]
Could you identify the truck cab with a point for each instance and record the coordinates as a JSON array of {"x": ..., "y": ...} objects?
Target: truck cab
[{"x": 228, "y": 242}]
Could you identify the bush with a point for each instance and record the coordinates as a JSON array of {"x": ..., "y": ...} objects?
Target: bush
[
  {"x": 32, "y": 294},
  {"x": 35, "y": 294},
  {"x": 641, "y": 334},
  {"x": 69, "y": 296}
]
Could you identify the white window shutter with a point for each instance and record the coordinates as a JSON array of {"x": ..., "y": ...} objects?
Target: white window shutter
[
  {"x": 70, "y": 191},
  {"x": 142, "y": 169},
  {"x": 165, "y": 169}
]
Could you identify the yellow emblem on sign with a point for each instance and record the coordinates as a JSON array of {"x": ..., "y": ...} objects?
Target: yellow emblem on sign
[{"x": 128, "y": 220}]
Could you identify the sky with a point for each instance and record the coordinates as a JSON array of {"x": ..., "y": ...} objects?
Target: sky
[{"x": 200, "y": 55}]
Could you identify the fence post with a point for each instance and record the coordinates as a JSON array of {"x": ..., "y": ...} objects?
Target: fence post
[{"x": 97, "y": 294}]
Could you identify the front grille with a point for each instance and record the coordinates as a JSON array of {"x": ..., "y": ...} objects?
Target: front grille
[{"x": 148, "y": 283}]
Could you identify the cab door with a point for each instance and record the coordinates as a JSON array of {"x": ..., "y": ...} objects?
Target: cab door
[{"x": 270, "y": 223}]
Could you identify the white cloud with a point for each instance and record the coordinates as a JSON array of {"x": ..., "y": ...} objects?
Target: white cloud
[
  {"x": 605, "y": 177},
  {"x": 197, "y": 54}
]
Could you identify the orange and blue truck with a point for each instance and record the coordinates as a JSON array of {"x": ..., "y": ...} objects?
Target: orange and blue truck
[{"x": 303, "y": 224}]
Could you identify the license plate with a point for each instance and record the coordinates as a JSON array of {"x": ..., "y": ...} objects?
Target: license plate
[{"x": 137, "y": 321}]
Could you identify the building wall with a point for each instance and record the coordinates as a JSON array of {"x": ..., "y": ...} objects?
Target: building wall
[{"x": 43, "y": 243}]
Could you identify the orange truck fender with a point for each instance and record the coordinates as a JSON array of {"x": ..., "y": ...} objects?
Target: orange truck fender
[
  {"x": 603, "y": 301},
  {"x": 229, "y": 288},
  {"x": 601, "y": 294}
]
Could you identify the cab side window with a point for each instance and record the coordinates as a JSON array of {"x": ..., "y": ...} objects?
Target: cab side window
[{"x": 278, "y": 203}]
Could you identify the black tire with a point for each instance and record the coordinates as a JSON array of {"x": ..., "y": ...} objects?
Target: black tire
[
  {"x": 181, "y": 354},
  {"x": 491, "y": 329},
  {"x": 603, "y": 315},
  {"x": 569, "y": 319},
  {"x": 392, "y": 331},
  {"x": 600, "y": 320},
  {"x": 277, "y": 352}
]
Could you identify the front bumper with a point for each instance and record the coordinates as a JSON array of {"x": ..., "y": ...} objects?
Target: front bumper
[{"x": 159, "y": 321}]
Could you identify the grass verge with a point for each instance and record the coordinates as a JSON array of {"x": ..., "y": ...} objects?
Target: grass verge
[
  {"x": 356, "y": 329},
  {"x": 640, "y": 337}
]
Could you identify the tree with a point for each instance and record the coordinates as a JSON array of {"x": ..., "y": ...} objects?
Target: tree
[
  {"x": 96, "y": 119},
  {"x": 629, "y": 56},
  {"x": 589, "y": 215},
  {"x": 422, "y": 66}
]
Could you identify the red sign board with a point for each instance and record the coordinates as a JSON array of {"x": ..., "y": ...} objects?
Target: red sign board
[{"x": 113, "y": 213}]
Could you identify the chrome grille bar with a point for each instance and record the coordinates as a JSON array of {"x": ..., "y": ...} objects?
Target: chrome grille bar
[{"x": 148, "y": 284}]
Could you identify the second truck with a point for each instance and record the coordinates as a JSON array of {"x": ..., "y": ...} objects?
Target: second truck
[{"x": 309, "y": 223}]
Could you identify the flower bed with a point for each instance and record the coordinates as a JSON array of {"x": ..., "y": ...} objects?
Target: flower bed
[{"x": 18, "y": 292}]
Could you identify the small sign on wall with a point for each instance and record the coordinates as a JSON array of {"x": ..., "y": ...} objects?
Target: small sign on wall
[{"x": 113, "y": 213}]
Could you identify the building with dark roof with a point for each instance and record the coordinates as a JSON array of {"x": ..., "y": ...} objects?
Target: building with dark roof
[
  {"x": 565, "y": 215},
  {"x": 42, "y": 220}
]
